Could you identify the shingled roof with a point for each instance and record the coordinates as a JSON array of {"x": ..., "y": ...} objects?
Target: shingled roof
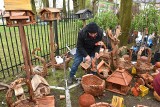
[{"x": 121, "y": 77}]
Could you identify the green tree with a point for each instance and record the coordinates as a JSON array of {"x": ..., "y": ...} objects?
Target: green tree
[
  {"x": 45, "y": 3},
  {"x": 75, "y": 6},
  {"x": 64, "y": 8},
  {"x": 94, "y": 7},
  {"x": 33, "y": 6},
  {"x": 82, "y": 4},
  {"x": 68, "y": 5},
  {"x": 54, "y": 3},
  {"x": 125, "y": 20}
]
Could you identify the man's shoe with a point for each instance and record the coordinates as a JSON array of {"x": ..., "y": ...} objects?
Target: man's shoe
[{"x": 70, "y": 80}]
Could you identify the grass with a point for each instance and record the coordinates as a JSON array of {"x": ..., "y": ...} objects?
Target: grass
[{"x": 37, "y": 36}]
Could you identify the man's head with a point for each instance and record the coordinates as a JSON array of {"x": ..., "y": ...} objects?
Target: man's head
[{"x": 92, "y": 29}]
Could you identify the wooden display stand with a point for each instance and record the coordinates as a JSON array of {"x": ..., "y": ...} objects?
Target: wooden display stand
[
  {"x": 51, "y": 14},
  {"x": 19, "y": 13}
]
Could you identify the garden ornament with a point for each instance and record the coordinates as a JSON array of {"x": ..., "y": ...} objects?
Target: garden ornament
[
  {"x": 135, "y": 90},
  {"x": 86, "y": 100},
  {"x": 148, "y": 79},
  {"x": 124, "y": 60},
  {"x": 93, "y": 85},
  {"x": 101, "y": 104},
  {"x": 143, "y": 64},
  {"x": 16, "y": 90},
  {"x": 119, "y": 81}
]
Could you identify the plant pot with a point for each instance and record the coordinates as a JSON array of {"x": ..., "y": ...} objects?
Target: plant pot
[{"x": 85, "y": 100}]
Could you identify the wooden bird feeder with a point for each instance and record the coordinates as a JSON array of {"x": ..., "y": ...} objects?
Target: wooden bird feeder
[
  {"x": 84, "y": 15},
  {"x": 19, "y": 13},
  {"x": 18, "y": 10},
  {"x": 40, "y": 86},
  {"x": 119, "y": 81},
  {"x": 104, "y": 69},
  {"x": 50, "y": 14}
]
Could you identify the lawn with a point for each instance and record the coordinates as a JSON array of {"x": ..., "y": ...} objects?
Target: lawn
[
  {"x": 57, "y": 79},
  {"x": 37, "y": 36}
]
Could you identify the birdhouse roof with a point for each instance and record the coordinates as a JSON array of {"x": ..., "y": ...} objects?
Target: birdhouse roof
[
  {"x": 36, "y": 80},
  {"x": 17, "y": 5},
  {"x": 50, "y": 10},
  {"x": 101, "y": 64},
  {"x": 83, "y": 11},
  {"x": 121, "y": 77}
]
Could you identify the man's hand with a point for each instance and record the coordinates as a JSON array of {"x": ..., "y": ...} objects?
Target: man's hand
[
  {"x": 88, "y": 58},
  {"x": 97, "y": 55}
]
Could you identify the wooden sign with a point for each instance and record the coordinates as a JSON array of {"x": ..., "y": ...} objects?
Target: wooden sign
[{"x": 17, "y": 5}]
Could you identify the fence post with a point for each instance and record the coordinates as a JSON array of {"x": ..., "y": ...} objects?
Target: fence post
[{"x": 56, "y": 36}]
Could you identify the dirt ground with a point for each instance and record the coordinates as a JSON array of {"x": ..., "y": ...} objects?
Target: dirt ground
[
  {"x": 57, "y": 79},
  {"x": 129, "y": 100}
]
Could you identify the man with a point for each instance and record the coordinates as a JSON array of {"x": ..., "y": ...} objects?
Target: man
[{"x": 86, "y": 46}]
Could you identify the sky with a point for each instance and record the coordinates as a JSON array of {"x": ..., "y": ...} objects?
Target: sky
[
  {"x": 59, "y": 4},
  {"x": 1, "y": 4}
]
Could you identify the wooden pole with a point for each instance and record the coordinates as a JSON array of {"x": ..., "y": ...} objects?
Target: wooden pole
[
  {"x": 26, "y": 56},
  {"x": 52, "y": 44},
  {"x": 84, "y": 23}
]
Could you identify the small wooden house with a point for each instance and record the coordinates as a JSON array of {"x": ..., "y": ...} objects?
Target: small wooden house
[
  {"x": 119, "y": 81},
  {"x": 85, "y": 66},
  {"x": 104, "y": 69},
  {"x": 49, "y": 14},
  {"x": 40, "y": 86},
  {"x": 18, "y": 10},
  {"x": 84, "y": 14}
]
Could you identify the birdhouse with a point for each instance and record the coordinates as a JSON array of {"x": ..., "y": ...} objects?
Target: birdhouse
[
  {"x": 119, "y": 81},
  {"x": 84, "y": 14},
  {"x": 40, "y": 86},
  {"x": 104, "y": 69},
  {"x": 49, "y": 14},
  {"x": 18, "y": 10}
]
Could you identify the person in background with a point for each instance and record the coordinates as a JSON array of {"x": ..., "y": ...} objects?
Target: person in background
[{"x": 86, "y": 47}]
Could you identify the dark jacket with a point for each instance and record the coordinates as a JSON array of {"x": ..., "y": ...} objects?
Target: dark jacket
[{"x": 86, "y": 44}]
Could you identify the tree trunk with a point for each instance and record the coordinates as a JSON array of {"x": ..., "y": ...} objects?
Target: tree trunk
[
  {"x": 75, "y": 5},
  {"x": 64, "y": 8},
  {"x": 45, "y": 3},
  {"x": 54, "y": 3},
  {"x": 82, "y": 4},
  {"x": 125, "y": 20},
  {"x": 68, "y": 6},
  {"x": 94, "y": 7},
  {"x": 33, "y": 6}
]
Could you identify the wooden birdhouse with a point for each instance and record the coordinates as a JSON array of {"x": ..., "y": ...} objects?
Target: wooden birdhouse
[
  {"x": 84, "y": 14},
  {"x": 40, "y": 86},
  {"x": 119, "y": 81},
  {"x": 49, "y": 14},
  {"x": 103, "y": 69},
  {"x": 18, "y": 10},
  {"x": 85, "y": 66}
]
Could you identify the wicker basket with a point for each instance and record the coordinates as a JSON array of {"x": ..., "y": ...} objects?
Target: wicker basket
[
  {"x": 101, "y": 104},
  {"x": 21, "y": 100},
  {"x": 93, "y": 84}
]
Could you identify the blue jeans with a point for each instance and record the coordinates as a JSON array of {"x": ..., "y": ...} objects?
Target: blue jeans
[{"x": 78, "y": 58}]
